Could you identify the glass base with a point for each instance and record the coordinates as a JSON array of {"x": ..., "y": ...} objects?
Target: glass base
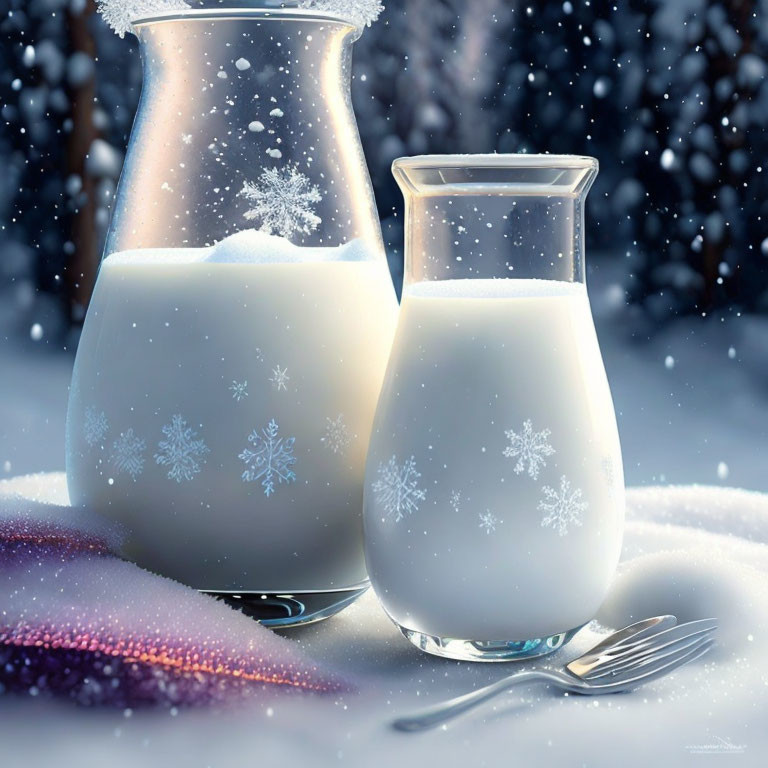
[
  {"x": 487, "y": 650},
  {"x": 290, "y": 609}
]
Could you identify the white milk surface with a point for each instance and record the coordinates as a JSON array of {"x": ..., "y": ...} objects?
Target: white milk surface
[
  {"x": 494, "y": 490},
  {"x": 221, "y": 407}
]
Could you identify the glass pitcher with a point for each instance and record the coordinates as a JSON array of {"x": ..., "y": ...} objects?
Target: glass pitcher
[
  {"x": 494, "y": 500},
  {"x": 228, "y": 371}
]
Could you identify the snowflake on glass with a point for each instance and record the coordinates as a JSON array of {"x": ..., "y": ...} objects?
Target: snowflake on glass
[
  {"x": 488, "y": 522},
  {"x": 360, "y": 12},
  {"x": 96, "y": 426},
  {"x": 128, "y": 454},
  {"x": 180, "y": 451},
  {"x": 283, "y": 201},
  {"x": 336, "y": 437},
  {"x": 271, "y": 458},
  {"x": 397, "y": 488},
  {"x": 280, "y": 378},
  {"x": 561, "y": 508},
  {"x": 119, "y": 14},
  {"x": 455, "y": 500},
  {"x": 530, "y": 448},
  {"x": 239, "y": 390}
]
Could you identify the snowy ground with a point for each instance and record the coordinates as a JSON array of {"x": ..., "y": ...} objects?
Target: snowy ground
[{"x": 702, "y": 420}]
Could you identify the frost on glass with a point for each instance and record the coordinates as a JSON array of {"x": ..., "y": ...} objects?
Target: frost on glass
[
  {"x": 562, "y": 507},
  {"x": 271, "y": 458},
  {"x": 181, "y": 451},
  {"x": 128, "y": 454},
  {"x": 530, "y": 448},
  {"x": 397, "y": 488},
  {"x": 119, "y": 14},
  {"x": 336, "y": 436}
]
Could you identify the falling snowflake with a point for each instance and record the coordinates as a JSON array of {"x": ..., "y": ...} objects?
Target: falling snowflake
[
  {"x": 455, "y": 500},
  {"x": 397, "y": 488},
  {"x": 119, "y": 14},
  {"x": 239, "y": 390},
  {"x": 271, "y": 458},
  {"x": 561, "y": 508},
  {"x": 336, "y": 437},
  {"x": 283, "y": 200},
  {"x": 258, "y": 355},
  {"x": 181, "y": 451},
  {"x": 488, "y": 522},
  {"x": 280, "y": 378},
  {"x": 360, "y": 12},
  {"x": 186, "y": 138},
  {"x": 128, "y": 454},
  {"x": 96, "y": 426},
  {"x": 529, "y": 447}
]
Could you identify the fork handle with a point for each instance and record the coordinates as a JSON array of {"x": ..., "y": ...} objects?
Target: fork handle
[{"x": 439, "y": 713}]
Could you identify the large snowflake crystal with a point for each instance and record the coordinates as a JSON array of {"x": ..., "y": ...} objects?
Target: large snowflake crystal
[
  {"x": 128, "y": 454},
  {"x": 283, "y": 200},
  {"x": 271, "y": 458},
  {"x": 360, "y": 12},
  {"x": 397, "y": 488},
  {"x": 119, "y": 14},
  {"x": 336, "y": 437},
  {"x": 95, "y": 427},
  {"x": 530, "y": 448},
  {"x": 561, "y": 508},
  {"x": 180, "y": 451}
]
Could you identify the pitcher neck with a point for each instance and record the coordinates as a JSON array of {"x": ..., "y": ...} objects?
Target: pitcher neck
[{"x": 494, "y": 216}]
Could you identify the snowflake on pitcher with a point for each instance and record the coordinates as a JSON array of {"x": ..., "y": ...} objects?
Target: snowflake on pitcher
[
  {"x": 180, "y": 450},
  {"x": 128, "y": 454},
  {"x": 280, "y": 378},
  {"x": 529, "y": 448},
  {"x": 360, "y": 12},
  {"x": 271, "y": 458},
  {"x": 336, "y": 437},
  {"x": 239, "y": 390},
  {"x": 283, "y": 201},
  {"x": 561, "y": 508},
  {"x": 397, "y": 488},
  {"x": 488, "y": 522},
  {"x": 96, "y": 426},
  {"x": 119, "y": 14},
  {"x": 455, "y": 500}
]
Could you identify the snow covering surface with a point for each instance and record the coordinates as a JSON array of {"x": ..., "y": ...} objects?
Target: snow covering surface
[{"x": 691, "y": 551}]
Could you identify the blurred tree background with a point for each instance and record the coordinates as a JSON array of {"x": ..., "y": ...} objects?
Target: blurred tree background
[{"x": 670, "y": 95}]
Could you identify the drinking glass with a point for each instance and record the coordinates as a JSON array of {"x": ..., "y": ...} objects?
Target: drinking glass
[{"x": 494, "y": 499}]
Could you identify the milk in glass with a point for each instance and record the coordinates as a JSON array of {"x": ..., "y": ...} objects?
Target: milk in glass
[
  {"x": 494, "y": 500},
  {"x": 497, "y": 401}
]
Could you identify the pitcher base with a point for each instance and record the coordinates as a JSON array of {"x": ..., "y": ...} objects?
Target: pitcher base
[{"x": 290, "y": 609}]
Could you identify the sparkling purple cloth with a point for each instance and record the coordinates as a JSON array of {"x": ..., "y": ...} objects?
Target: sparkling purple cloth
[{"x": 79, "y": 622}]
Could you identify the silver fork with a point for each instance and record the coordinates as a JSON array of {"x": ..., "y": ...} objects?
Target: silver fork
[{"x": 622, "y": 661}]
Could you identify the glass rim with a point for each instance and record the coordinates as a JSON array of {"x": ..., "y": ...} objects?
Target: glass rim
[
  {"x": 263, "y": 13},
  {"x": 518, "y": 174},
  {"x": 501, "y": 160}
]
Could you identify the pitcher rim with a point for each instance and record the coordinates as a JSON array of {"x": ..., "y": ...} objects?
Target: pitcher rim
[{"x": 265, "y": 14}]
